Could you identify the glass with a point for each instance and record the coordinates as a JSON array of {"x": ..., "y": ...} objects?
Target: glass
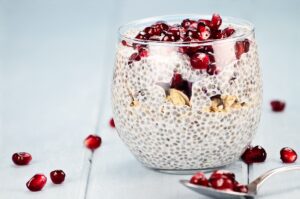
[{"x": 173, "y": 114}]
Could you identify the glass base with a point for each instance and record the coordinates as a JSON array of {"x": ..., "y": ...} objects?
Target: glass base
[{"x": 187, "y": 171}]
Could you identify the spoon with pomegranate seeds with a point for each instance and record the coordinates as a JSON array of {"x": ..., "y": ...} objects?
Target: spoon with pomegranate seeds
[{"x": 252, "y": 187}]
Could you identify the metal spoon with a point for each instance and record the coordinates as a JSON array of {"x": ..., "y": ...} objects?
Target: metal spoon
[{"x": 252, "y": 187}]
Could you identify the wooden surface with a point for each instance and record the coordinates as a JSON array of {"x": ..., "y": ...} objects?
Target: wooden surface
[{"x": 56, "y": 60}]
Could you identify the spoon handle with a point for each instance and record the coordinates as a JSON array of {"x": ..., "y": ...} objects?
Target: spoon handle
[{"x": 255, "y": 184}]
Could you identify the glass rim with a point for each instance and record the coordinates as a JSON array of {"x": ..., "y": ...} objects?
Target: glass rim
[{"x": 122, "y": 34}]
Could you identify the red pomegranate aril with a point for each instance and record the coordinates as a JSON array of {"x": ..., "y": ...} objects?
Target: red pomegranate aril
[
  {"x": 219, "y": 173},
  {"x": 149, "y": 31},
  {"x": 37, "y": 182},
  {"x": 142, "y": 36},
  {"x": 199, "y": 179},
  {"x": 200, "y": 61},
  {"x": 168, "y": 38},
  {"x": 240, "y": 188},
  {"x": 288, "y": 155},
  {"x": 277, "y": 105},
  {"x": 92, "y": 142},
  {"x": 112, "y": 123},
  {"x": 143, "y": 52},
  {"x": 21, "y": 158},
  {"x": 227, "y": 32},
  {"x": 239, "y": 49},
  {"x": 162, "y": 25},
  {"x": 205, "y": 22},
  {"x": 134, "y": 57},
  {"x": 186, "y": 23},
  {"x": 192, "y": 33},
  {"x": 216, "y": 21},
  {"x": 254, "y": 155},
  {"x": 246, "y": 45},
  {"x": 221, "y": 183},
  {"x": 204, "y": 32},
  {"x": 213, "y": 70},
  {"x": 57, "y": 176},
  {"x": 176, "y": 80},
  {"x": 217, "y": 34}
]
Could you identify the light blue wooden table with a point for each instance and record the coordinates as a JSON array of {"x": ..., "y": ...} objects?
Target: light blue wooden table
[{"x": 56, "y": 61}]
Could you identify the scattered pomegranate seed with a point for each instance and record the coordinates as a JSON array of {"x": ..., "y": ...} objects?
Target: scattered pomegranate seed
[
  {"x": 112, "y": 123},
  {"x": 288, "y": 155},
  {"x": 142, "y": 36},
  {"x": 200, "y": 61},
  {"x": 277, "y": 105},
  {"x": 240, "y": 188},
  {"x": 216, "y": 21},
  {"x": 254, "y": 155},
  {"x": 21, "y": 158},
  {"x": 57, "y": 176},
  {"x": 92, "y": 142},
  {"x": 199, "y": 179},
  {"x": 37, "y": 182}
]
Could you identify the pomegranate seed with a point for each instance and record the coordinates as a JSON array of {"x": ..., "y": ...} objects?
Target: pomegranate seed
[
  {"x": 254, "y": 155},
  {"x": 57, "y": 176},
  {"x": 221, "y": 182},
  {"x": 200, "y": 61},
  {"x": 192, "y": 33},
  {"x": 205, "y": 22},
  {"x": 213, "y": 70},
  {"x": 175, "y": 32},
  {"x": 240, "y": 188},
  {"x": 216, "y": 21},
  {"x": 186, "y": 23},
  {"x": 21, "y": 158},
  {"x": 162, "y": 25},
  {"x": 246, "y": 45},
  {"x": 143, "y": 52},
  {"x": 217, "y": 34},
  {"x": 142, "y": 36},
  {"x": 277, "y": 105},
  {"x": 219, "y": 173},
  {"x": 168, "y": 38},
  {"x": 199, "y": 179},
  {"x": 112, "y": 123},
  {"x": 239, "y": 49},
  {"x": 149, "y": 31},
  {"x": 37, "y": 182},
  {"x": 134, "y": 57},
  {"x": 227, "y": 32},
  {"x": 179, "y": 83},
  {"x": 288, "y": 155},
  {"x": 204, "y": 32},
  {"x": 92, "y": 142},
  {"x": 124, "y": 43}
]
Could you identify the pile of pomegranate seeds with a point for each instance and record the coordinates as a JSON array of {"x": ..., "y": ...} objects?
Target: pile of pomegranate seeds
[
  {"x": 112, "y": 123},
  {"x": 92, "y": 142},
  {"x": 254, "y": 155},
  {"x": 57, "y": 176},
  {"x": 21, "y": 158},
  {"x": 288, "y": 155},
  {"x": 189, "y": 31},
  {"x": 221, "y": 180},
  {"x": 277, "y": 105},
  {"x": 37, "y": 182}
]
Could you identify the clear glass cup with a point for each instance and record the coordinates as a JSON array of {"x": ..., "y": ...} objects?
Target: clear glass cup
[{"x": 173, "y": 116}]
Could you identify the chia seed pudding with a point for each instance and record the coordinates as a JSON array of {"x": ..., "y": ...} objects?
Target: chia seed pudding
[{"x": 187, "y": 94}]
